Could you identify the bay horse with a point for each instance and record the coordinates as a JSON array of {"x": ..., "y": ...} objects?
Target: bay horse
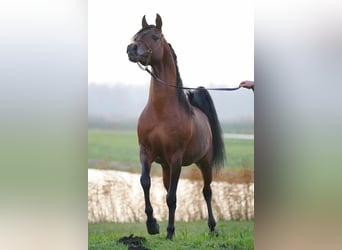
[{"x": 175, "y": 129}]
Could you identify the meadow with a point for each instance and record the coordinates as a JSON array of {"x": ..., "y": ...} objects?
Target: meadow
[
  {"x": 119, "y": 150},
  {"x": 237, "y": 235}
]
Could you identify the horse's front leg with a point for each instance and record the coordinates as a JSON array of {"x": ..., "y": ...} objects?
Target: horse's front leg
[
  {"x": 145, "y": 181},
  {"x": 171, "y": 199}
]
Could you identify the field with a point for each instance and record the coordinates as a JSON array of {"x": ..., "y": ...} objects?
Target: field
[
  {"x": 118, "y": 149},
  {"x": 189, "y": 235}
]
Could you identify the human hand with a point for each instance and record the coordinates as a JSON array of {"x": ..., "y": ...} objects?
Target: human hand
[{"x": 247, "y": 84}]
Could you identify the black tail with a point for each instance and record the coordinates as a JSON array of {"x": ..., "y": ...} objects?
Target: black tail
[{"x": 200, "y": 98}]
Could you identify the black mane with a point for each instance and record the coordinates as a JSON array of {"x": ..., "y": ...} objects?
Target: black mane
[{"x": 183, "y": 100}]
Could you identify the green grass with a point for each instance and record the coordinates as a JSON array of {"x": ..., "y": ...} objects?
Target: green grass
[
  {"x": 122, "y": 146},
  {"x": 113, "y": 145},
  {"x": 189, "y": 235},
  {"x": 239, "y": 153}
]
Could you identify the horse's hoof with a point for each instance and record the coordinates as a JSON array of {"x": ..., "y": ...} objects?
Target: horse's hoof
[
  {"x": 214, "y": 233},
  {"x": 170, "y": 233},
  {"x": 169, "y": 236},
  {"x": 152, "y": 227}
]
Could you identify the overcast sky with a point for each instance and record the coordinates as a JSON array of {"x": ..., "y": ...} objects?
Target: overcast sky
[{"x": 213, "y": 40}]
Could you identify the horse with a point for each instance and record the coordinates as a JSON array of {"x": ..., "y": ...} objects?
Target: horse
[{"x": 176, "y": 128}]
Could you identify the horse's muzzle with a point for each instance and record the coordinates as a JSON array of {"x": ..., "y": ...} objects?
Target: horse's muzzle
[
  {"x": 132, "y": 50},
  {"x": 136, "y": 53}
]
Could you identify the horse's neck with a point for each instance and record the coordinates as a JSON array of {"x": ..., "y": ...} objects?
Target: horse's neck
[{"x": 161, "y": 95}]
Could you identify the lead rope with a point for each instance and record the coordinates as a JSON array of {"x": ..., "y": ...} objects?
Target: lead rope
[{"x": 149, "y": 51}]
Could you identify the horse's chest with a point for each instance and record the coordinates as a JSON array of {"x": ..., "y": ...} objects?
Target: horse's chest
[
  {"x": 164, "y": 140},
  {"x": 161, "y": 141}
]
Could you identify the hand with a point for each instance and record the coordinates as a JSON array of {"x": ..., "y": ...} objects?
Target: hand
[{"x": 247, "y": 84}]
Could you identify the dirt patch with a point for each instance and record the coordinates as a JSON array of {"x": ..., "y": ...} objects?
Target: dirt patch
[
  {"x": 223, "y": 175},
  {"x": 133, "y": 242}
]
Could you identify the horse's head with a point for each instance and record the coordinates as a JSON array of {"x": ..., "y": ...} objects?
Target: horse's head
[{"x": 147, "y": 45}]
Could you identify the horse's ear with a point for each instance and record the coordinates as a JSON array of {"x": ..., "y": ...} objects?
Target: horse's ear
[
  {"x": 143, "y": 22},
  {"x": 159, "y": 22}
]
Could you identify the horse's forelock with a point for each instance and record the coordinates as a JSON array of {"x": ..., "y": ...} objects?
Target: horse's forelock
[{"x": 146, "y": 28}]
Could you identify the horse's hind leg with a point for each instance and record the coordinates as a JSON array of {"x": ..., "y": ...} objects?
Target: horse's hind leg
[
  {"x": 166, "y": 176},
  {"x": 145, "y": 181},
  {"x": 207, "y": 193}
]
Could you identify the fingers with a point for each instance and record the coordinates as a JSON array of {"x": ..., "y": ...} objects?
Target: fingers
[{"x": 247, "y": 84}]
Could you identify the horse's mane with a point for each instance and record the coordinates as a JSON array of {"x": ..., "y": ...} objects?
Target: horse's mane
[{"x": 182, "y": 98}]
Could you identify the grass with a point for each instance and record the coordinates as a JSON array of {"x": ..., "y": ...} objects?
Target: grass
[
  {"x": 118, "y": 149},
  {"x": 189, "y": 235},
  {"x": 113, "y": 145}
]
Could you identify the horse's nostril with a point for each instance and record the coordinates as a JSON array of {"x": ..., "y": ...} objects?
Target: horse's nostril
[
  {"x": 129, "y": 48},
  {"x": 132, "y": 52},
  {"x": 132, "y": 48}
]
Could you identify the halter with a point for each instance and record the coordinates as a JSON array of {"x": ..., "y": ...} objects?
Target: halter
[{"x": 145, "y": 68}]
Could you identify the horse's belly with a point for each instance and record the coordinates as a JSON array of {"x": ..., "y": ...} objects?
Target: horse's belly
[
  {"x": 164, "y": 142},
  {"x": 186, "y": 161}
]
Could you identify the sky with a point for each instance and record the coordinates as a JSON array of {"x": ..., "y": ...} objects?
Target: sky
[{"x": 213, "y": 40}]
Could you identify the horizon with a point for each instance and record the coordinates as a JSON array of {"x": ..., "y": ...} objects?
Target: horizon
[{"x": 105, "y": 100}]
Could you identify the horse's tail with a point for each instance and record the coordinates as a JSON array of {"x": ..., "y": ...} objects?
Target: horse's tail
[{"x": 200, "y": 98}]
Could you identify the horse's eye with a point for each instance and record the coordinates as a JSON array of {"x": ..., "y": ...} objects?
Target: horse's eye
[{"x": 155, "y": 37}]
